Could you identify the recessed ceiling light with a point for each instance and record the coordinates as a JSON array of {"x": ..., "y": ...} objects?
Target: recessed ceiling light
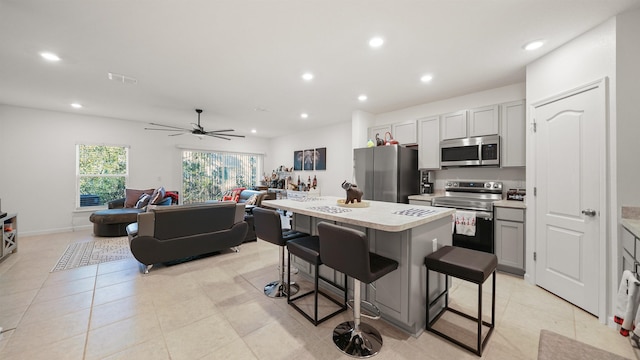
[
  {"x": 533, "y": 45},
  {"x": 49, "y": 56},
  {"x": 253, "y": 131},
  {"x": 307, "y": 76},
  {"x": 76, "y": 106},
  {"x": 376, "y": 42},
  {"x": 362, "y": 97},
  {"x": 426, "y": 78},
  {"x": 304, "y": 115}
]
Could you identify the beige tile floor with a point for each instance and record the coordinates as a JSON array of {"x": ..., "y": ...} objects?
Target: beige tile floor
[{"x": 214, "y": 308}]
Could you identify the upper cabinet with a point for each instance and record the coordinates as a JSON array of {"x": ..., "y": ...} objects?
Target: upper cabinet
[
  {"x": 429, "y": 143},
  {"x": 512, "y": 134},
  {"x": 405, "y": 132},
  {"x": 468, "y": 123},
  {"x": 454, "y": 125},
  {"x": 380, "y": 130},
  {"x": 484, "y": 121}
]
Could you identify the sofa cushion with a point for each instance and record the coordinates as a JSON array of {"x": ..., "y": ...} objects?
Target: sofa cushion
[
  {"x": 157, "y": 196},
  {"x": 143, "y": 201},
  {"x": 133, "y": 195}
]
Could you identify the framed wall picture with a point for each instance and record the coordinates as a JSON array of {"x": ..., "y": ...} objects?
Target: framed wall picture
[
  {"x": 320, "y": 160},
  {"x": 297, "y": 160},
  {"x": 308, "y": 160}
]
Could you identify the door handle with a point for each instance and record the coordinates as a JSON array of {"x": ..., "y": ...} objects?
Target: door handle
[{"x": 589, "y": 212}]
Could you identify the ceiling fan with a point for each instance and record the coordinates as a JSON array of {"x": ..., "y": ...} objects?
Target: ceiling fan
[{"x": 197, "y": 130}]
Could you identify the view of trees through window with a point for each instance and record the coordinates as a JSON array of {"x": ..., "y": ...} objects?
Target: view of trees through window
[
  {"x": 101, "y": 173},
  {"x": 208, "y": 175}
]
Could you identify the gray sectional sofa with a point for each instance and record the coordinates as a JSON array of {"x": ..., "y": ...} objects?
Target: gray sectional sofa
[{"x": 169, "y": 233}]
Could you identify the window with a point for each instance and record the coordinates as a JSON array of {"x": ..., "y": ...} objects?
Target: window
[
  {"x": 207, "y": 175},
  {"x": 101, "y": 174}
]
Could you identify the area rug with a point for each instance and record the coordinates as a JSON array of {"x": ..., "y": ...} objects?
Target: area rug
[
  {"x": 554, "y": 346},
  {"x": 93, "y": 252}
]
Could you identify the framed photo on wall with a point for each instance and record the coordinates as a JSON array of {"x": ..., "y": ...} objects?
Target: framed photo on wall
[
  {"x": 320, "y": 155},
  {"x": 308, "y": 160},
  {"x": 297, "y": 160}
]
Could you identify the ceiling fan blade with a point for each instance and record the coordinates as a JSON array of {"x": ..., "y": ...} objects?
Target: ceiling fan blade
[
  {"x": 217, "y": 136},
  {"x": 216, "y": 133},
  {"x": 225, "y": 130},
  {"x": 170, "y": 126},
  {"x": 175, "y": 134},
  {"x": 166, "y": 129}
]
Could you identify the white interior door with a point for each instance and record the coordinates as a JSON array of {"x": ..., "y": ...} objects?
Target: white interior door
[{"x": 569, "y": 144}]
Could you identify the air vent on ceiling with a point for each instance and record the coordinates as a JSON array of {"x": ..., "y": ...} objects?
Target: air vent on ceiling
[{"x": 122, "y": 78}]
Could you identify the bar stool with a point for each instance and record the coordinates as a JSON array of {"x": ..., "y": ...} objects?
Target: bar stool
[
  {"x": 269, "y": 228},
  {"x": 308, "y": 249},
  {"x": 347, "y": 251},
  {"x": 466, "y": 264}
]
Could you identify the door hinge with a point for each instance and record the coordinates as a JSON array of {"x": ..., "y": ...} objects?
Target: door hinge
[
  {"x": 535, "y": 255},
  {"x": 535, "y": 191},
  {"x": 535, "y": 127}
]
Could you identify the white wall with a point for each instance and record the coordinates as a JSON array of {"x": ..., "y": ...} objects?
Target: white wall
[
  {"x": 628, "y": 109},
  {"x": 587, "y": 58},
  {"x": 37, "y": 179},
  {"x": 337, "y": 140}
]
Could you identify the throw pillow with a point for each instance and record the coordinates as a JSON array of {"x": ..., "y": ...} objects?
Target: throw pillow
[
  {"x": 143, "y": 201},
  {"x": 133, "y": 195},
  {"x": 251, "y": 200},
  {"x": 157, "y": 196}
]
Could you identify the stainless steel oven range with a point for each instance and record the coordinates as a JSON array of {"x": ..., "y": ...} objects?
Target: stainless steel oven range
[{"x": 473, "y": 197}]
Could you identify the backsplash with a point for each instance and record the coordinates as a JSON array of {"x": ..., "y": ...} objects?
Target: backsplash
[
  {"x": 511, "y": 178},
  {"x": 631, "y": 212}
]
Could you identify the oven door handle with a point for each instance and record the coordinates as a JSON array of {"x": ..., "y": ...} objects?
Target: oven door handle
[{"x": 481, "y": 214}]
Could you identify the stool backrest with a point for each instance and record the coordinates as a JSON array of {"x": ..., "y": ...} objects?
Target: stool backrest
[
  {"x": 268, "y": 225},
  {"x": 344, "y": 249}
]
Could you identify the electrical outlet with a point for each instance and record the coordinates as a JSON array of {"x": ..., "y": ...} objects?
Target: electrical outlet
[{"x": 435, "y": 244}]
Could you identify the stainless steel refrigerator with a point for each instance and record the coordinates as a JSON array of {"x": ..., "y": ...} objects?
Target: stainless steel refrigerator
[{"x": 387, "y": 173}]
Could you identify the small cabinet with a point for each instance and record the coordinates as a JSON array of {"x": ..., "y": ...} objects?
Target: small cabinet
[
  {"x": 512, "y": 133},
  {"x": 429, "y": 143},
  {"x": 405, "y": 133},
  {"x": 9, "y": 235},
  {"x": 484, "y": 121},
  {"x": 454, "y": 125},
  {"x": 509, "y": 239},
  {"x": 380, "y": 130}
]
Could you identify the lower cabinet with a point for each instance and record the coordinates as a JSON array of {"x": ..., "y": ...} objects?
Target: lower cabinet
[{"x": 509, "y": 240}]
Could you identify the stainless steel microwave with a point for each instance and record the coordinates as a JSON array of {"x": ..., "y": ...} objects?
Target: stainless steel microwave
[{"x": 473, "y": 151}]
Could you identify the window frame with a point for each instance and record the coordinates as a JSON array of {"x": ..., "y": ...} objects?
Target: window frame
[
  {"x": 260, "y": 158},
  {"x": 79, "y": 176}
]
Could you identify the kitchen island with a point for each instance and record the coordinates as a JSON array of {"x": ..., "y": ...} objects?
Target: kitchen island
[{"x": 402, "y": 232}]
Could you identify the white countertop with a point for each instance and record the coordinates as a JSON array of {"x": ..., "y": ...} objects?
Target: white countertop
[
  {"x": 633, "y": 225},
  {"x": 379, "y": 215}
]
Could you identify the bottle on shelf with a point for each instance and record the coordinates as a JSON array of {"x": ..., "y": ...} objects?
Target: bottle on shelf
[
  {"x": 315, "y": 182},
  {"x": 309, "y": 183}
]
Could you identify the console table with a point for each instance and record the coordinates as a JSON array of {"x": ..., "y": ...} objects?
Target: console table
[{"x": 9, "y": 234}]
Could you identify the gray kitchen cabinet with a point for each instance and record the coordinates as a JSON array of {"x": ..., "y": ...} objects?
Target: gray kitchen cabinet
[
  {"x": 454, "y": 125},
  {"x": 429, "y": 143},
  {"x": 513, "y": 133},
  {"x": 405, "y": 132},
  {"x": 484, "y": 121},
  {"x": 509, "y": 239},
  {"x": 378, "y": 129}
]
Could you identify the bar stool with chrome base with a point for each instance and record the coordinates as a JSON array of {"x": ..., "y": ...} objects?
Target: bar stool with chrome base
[
  {"x": 347, "y": 250},
  {"x": 269, "y": 228},
  {"x": 308, "y": 249}
]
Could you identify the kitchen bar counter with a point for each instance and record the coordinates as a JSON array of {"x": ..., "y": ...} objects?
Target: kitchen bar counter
[
  {"x": 379, "y": 215},
  {"x": 400, "y": 295}
]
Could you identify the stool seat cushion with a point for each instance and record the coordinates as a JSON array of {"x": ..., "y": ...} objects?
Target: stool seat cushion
[
  {"x": 288, "y": 235},
  {"x": 467, "y": 264},
  {"x": 380, "y": 266},
  {"x": 306, "y": 248}
]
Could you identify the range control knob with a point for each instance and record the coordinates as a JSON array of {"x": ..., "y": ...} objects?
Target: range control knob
[
  {"x": 455, "y": 184},
  {"x": 487, "y": 185},
  {"x": 448, "y": 184},
  {"x": 495, "y": 186}
]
